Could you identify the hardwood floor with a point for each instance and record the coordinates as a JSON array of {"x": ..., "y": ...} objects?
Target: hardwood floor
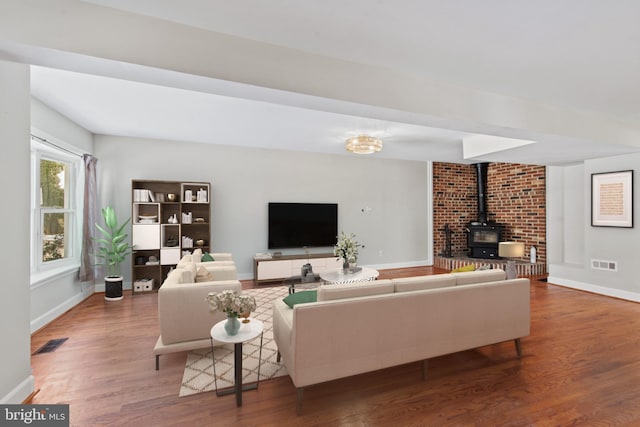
[{"x": 581, "y": 366}]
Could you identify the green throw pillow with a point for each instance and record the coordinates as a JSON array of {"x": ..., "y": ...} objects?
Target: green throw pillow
[
  {"x": 206, "y": 257},
  {"x": 469, "y": 267},
  {"x": 300, "y": 297}
]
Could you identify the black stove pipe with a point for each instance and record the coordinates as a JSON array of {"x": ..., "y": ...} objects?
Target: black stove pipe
[{"x": 481, "y": 179}]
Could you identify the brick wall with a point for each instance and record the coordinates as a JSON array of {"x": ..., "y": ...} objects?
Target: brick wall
[{"x": 516, "y": 197}]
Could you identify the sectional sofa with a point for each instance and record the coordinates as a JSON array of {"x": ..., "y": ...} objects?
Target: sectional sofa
[
  {"x": 357, "y": 328},
  {"x": 184, "y": 315}
]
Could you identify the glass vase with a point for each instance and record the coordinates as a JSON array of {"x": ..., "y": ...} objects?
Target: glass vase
[{"x": 232, "y": 325}]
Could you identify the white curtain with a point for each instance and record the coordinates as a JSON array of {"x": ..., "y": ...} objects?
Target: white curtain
[{"x": 87, "y": 267}]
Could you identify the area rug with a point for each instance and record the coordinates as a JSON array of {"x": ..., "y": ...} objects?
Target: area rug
[{"x": 198, "y": 372}]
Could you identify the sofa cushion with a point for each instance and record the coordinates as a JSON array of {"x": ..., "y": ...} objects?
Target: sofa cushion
[
  {"x": 479, "y": 276},
  {"x": 417, "y": 283},
  {"x": 300, "y": 297},
  {"x": 186, "y": 259},
  {"x": 177, "y": 276},
  {"x": 222, "y": 272},
  {"x": 203, "y": 275},
  {"x": 206, "y": 257},
  {"x": 196, "y": 255},
  {"x": 356, "y": 289},
  {"x": 189, "y": 268}
]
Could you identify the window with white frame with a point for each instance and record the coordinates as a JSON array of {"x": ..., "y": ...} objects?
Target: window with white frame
[{"x": 56, "y": 212}]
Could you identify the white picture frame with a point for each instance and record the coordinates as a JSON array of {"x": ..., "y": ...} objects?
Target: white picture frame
[{"x": 612, "y": 199}]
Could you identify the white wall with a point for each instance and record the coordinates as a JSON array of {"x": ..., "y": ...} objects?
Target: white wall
[
  {"x": 569, "y": 219},
  {"x": 53, "y": 296},
  {"x": 16, "y": 382},
  {"x": 395, "y": 231}
]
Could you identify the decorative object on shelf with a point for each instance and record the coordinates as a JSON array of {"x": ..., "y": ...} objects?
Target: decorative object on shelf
[
  {"x": 112, "y": 250},
  {"x": 363, "y": 144},
  {"x": 233, "y": 304},
  {"x": 532, "y": 255},
  {"x": 306, "y": 271},
  {"x": 171, "y": 197},
  {"x": 173, "y": 219},
  {"x": 187, "y": 242},
  {"x": 171, "y": 242},
  {"x": 511, "y": 250},
  {"x": 202, "y": 196},
  {"x": 187, "y": 217},
  {"x": 347, "y": 249},
  {"x": 147, "y": 219},
  {"x": 200, "y": 242}
]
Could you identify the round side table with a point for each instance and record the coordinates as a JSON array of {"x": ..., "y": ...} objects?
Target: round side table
[{"x": 248, "y": 331}]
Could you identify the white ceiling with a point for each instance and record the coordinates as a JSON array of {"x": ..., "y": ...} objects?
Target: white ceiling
[{"x": 576, "y": 54}]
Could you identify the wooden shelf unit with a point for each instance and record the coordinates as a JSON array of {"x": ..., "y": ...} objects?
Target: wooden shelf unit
[{"x": 154, "y": 237}]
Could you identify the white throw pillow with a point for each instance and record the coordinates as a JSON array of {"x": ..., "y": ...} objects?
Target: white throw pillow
[
  {"x": 196, "y": 256},
  {"x": 203, "y": 275}
]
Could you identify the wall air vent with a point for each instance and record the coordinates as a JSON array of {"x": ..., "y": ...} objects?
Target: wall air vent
[{"x": 598, "y": 264}]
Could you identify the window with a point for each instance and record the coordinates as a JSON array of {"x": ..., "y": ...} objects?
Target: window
[{"x": 55, "y": 208}]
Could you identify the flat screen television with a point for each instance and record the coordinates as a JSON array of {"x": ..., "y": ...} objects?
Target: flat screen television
[{"x": 296, "y": 225}]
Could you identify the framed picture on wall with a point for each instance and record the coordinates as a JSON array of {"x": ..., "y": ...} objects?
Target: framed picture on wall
[{"x": 612, "y": 199}]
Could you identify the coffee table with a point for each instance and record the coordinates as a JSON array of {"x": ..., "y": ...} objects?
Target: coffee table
[
  {"x": 248, "y": 331},
  {"x": 339, "y": 276},
  {"x": 295, "y": 282}
]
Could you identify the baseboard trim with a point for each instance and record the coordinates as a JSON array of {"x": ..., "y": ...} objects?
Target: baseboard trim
[
  {"x": 20, "y": 392},
  {"x": 60, "y": 309},
  {"x": 601, "y": 290}
]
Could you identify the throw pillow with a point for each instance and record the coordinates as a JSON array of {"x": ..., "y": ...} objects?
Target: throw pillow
[
  {"x": 300, "y": 297},
  {"x": 204, "y": 275},
  {"x": 207, "y": 257},
  {"x": 196, "y": 254},
  {"x": 469, "y": 267}
]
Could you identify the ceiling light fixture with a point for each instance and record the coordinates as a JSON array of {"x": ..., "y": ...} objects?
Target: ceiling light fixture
[{"x": 363, "y": 144}]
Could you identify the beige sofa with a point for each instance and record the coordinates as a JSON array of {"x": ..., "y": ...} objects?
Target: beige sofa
[
  {"x": 185, "y": 317},
  {"x": 359, "y": 328}
]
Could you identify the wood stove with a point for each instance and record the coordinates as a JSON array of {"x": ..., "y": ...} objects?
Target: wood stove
[
  {"x": 483, "y": 239},
  {"x": 483, "y": 235}
]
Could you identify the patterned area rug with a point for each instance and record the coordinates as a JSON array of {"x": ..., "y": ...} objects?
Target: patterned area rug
[{"x": 198, "y": 372}]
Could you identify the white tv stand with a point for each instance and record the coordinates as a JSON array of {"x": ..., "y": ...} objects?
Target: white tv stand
[{"x": 278, "y": 268}]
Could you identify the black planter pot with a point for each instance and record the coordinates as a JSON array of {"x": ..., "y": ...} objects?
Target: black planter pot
[{"x": 113, "y": 288}]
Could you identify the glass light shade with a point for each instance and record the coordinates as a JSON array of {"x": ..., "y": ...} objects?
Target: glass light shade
[
  {"x": 363, "y": 144},
  {"x": 511, "y": 249}
]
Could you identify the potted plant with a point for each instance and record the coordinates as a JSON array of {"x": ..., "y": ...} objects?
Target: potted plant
[
  {"x": 234, "y": 305},
  {"x": 347, "y": 249},
  {"x": 112, "y": 250}
]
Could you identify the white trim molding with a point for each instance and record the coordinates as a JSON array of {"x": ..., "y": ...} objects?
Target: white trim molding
[
  {"x": 19, "y": 392},
  {"x": 60, "y": 309},
  {"x": 596, "y": 289}
]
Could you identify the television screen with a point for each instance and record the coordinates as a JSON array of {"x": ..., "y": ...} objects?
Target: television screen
[{"x": 295, "y": 225}]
